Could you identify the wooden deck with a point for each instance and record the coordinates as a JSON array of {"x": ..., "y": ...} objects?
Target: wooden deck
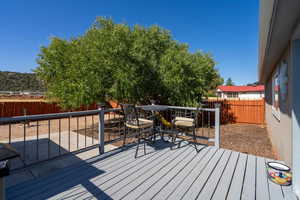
[{"x": 162, "y": 173}]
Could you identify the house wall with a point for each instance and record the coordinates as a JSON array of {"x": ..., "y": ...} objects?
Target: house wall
[
  {"x": 295, "y": 86},
  {"x": 242, "y": 95},
  {"x": 227, "y": 95},
  {"x": 280, "y": 37},
  {"x": 251, "y": 95},
  {"x": 280, "y": 129}
]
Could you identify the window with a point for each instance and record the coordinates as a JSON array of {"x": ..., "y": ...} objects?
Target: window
[
  {"x": 283, "y": 81},
  {"x": 232, "y": 95},
  {"x": 279, "y": 88},
  {"x": 275, "y": 94}
]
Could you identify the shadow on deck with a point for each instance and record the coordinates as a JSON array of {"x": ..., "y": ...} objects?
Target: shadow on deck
[{"x": 181, "y": 173}]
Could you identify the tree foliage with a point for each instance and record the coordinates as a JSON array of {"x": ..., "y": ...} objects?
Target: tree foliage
[
  {"x": 229, "y": 82},
  {"x": 128, "y": 64},
  {"x": 256, "y": 83}
]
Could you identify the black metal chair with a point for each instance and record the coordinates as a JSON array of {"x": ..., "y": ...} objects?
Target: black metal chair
[
  {"x": 182, "y": 126},
  {"x": 142, "y": 126}
]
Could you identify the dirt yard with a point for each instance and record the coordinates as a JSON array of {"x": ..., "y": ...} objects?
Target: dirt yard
[{"x": 247, "y": 138}]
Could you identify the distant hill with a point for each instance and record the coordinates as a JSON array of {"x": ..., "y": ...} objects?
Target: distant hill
[{"x": 16, "y": 81}]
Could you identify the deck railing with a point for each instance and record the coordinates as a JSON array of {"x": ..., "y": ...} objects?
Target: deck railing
[{"x": 42, "y": 137}]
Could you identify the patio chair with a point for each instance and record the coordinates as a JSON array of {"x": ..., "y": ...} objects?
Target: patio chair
[
  {"x": 142, "y": 126},
  {"x": 182, "y": 126}
]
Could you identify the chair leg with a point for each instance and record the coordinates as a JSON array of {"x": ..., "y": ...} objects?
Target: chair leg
[
  {"x": 174, "y": 137},
  {"x": 174, "y": 132},
  {"x": 162, "y": 136},
  {"x": 124, "y": 136},
  {"x": 138, "y": 144},
  {"x": 144, "y": 147},
  {"x": 137, "y": 148},
  {"x": 154, "y": 132},
  {"x": 195, "y": 140}
]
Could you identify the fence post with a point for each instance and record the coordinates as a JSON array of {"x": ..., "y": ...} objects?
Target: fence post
[
  {"x": 217, "y": 125},
  {"x": 101, "y": 131}
]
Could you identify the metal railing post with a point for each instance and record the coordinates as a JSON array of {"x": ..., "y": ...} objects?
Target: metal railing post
[
  {"x": 101, "y": 131},
  {"x": 217, "y": 125}
]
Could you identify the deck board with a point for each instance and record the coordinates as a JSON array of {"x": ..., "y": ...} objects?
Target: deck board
[
  {"x": 262, "y": 188},
  {"x": 211, "y": 184},
  {"x": 224, "y": 184},
  {"x": 250, "y": 179},
  {"x": 199, "y": 182},
  {"x": 236, "y": 186},
  {"x": 148, "y": 173},
  {"x": 181, "y": 189},
  {"x": 68, "y": 180},
  {"x": 164, "y": 175},
  {"x": 121, "y": 175},
  {"x": 163, "y": 189},
  {"x": 181, "y": 173},
  {"x": 74, "y": 169},
  {"x": 123, "y": 179}
]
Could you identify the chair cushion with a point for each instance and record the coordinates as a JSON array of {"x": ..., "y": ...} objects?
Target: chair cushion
[
  {"x": 184, "y": 122},
  {"x": 143, "y": 123}
]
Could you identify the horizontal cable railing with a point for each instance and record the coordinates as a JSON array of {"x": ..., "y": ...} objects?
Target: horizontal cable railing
[
  {"x": 42, "y": 137},
  {"x": 207, "y": 127}
]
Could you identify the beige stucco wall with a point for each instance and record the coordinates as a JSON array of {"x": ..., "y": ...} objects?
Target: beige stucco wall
[{"x": 280, "y": 130}]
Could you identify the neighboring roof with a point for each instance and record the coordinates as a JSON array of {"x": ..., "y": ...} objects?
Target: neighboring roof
[
  {"x": 224, "y": 88},
  {"x": 278, "y": 19}
]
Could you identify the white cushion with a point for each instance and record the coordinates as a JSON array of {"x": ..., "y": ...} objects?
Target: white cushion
[
  {"x": 184, "y": 121},
  {"x": 143, "y": 123}
]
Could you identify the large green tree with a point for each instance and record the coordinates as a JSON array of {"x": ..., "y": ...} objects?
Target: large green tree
[
  {"x": 128, "y": 64},
  {"x": 229, "y": 82}
]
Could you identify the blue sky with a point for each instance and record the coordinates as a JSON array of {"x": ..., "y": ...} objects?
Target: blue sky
[{"x": 226, "y": 29}]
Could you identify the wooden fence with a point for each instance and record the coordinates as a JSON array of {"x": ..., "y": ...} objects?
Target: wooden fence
[
  {"x": 10, "y": 109},
  {"x": 232, "y": 111},
  {"x": 240, "y": 111}
]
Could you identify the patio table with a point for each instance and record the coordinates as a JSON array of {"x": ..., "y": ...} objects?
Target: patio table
[{"x": 155, "y": 108}]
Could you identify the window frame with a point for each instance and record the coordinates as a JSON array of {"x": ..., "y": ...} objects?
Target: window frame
[
  {"x": 275, "y": 80},
  {"x": 232, "y": 95}
]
